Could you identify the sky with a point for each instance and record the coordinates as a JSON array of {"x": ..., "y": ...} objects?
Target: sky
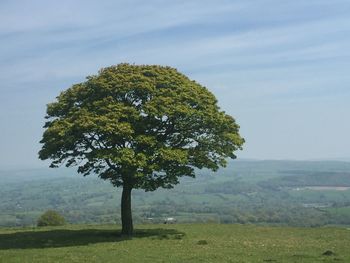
[{"x": 280, "y": 67}]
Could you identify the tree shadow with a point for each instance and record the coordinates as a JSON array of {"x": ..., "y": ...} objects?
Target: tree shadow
[{"x": 82, "y": 237}]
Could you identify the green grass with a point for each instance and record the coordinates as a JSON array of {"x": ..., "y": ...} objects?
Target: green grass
[{"x": 175, "y": 243}]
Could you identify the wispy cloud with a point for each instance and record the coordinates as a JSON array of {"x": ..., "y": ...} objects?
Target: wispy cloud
[{"x": 256, "y": 56}]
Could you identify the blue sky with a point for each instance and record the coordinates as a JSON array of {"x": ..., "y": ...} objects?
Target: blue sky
[{"x": 281, "y": 68}]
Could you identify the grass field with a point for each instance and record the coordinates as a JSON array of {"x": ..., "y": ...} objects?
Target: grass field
[{"x": 175, "y": 243}]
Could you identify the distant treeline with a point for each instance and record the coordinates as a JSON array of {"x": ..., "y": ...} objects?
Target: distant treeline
[{"x": 307, "y": 178}]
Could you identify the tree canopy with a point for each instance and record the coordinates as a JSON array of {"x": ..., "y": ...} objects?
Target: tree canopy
[{"x": 139, "y": 126}]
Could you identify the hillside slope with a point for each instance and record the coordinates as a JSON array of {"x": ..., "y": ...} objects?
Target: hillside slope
[{"x": 175, "y": 243}]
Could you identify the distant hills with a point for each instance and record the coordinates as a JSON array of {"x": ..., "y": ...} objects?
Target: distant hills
[{"x": 246, "y": 191}]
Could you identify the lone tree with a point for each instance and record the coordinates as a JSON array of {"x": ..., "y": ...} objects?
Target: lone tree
[{"x": 138, "y": 126}]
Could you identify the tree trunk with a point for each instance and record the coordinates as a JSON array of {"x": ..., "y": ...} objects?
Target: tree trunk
[{"x": 127, "y": 226}]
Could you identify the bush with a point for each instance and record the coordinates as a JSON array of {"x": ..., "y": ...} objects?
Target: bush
[{"x": 51, "y": 218}]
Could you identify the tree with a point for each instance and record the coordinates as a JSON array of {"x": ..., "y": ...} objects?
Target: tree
[
  {"x": 138, "y": 126},
  {"x": 51, "y": 218}
]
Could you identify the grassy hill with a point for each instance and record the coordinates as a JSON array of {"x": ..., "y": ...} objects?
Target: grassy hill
[{"x": 175, "y": 243}]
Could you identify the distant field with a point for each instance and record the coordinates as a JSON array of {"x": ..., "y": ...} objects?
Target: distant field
[
  {"x": 323, "y": 188},
  {"x": 175, "y": 243}
]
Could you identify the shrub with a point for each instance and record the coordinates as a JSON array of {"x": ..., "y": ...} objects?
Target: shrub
[{"x": 51, "y": 218}]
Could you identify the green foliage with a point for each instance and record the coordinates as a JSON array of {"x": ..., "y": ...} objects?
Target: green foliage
[
  {"x": 51, "y": 218},
  {"x": 175, "y": 243},
  {"x": 144, "y": 126}
]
